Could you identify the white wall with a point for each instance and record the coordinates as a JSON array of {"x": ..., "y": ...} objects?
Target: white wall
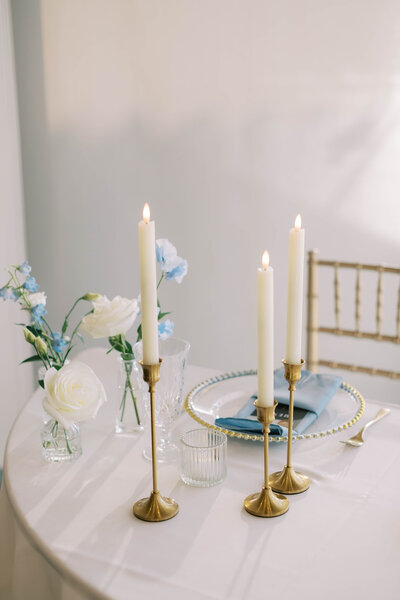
[
  {"x": 229, "y": 118},
  {"x": 16, "y": 381}
]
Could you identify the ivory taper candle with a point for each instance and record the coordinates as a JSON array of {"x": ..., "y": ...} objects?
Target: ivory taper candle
[
  {"x": 295, "y": 293},
  {"x": 148, "y": 288},
  {"x": 265, "y": 322}
]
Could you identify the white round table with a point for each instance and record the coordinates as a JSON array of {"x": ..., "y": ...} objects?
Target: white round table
[{"x": 67, "y": 530}]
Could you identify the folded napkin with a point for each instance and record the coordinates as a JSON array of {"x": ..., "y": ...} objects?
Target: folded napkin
[{"x": 313, "y": 392}]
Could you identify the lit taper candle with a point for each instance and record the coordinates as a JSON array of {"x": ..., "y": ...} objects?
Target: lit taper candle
[
  {"x": 148, "y": 288},
  {"x": 295, "y": 293},
  {"x": 265, "y": 321}
]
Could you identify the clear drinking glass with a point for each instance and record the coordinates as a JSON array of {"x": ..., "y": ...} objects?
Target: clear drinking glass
[
  {"x": 203, "y": 457},
  {"x": 168, "y": 394}
]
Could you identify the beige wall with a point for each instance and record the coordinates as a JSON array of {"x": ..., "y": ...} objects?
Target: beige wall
[
  {"x": 229, "y": 118},
  {"x": 16, "y": 381}
]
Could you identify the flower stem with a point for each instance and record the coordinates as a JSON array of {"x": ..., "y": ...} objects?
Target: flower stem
[
  {"x": 73, "y": 306},
  {"x": 161, "y": 278},
  {"x": 128, "y": 384},
  {"x": 66, "y": 442},
  {"x": 122, "y": 405},
  {"x": 73, "y": 335}
]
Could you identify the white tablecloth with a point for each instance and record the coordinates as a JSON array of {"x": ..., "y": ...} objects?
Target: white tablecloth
[{"x": 67, "y": 530}]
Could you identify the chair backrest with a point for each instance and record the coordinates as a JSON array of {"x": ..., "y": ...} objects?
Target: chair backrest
[{"x": 313, "y": 327}]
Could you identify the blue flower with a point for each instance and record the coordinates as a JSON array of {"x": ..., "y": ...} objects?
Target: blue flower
[
  {"x": 58, "y": 342},
  {"x": 31, "y": 285},
  {"x": 25, "y": 269},
  {"x": 178, "y": 270},
  {"x": 14, "y": 294},
  {"x": 4, "y": 293},
  {"x": 165, "y": 329},
  {"x": 165, "y": 253},
  {"x": 38, "y": 312},
  {"x": 171, "y": 264}
]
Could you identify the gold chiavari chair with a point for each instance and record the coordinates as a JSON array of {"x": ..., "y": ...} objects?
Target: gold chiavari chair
[{"x": 314, "y": 328}]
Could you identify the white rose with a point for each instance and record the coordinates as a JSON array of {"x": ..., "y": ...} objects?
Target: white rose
[
  {"x": 110, "y": 317},
  {"x": 73, "y": 394},
  {"x": 37, "y": 298}
]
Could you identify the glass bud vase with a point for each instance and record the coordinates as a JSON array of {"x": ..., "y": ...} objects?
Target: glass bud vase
[
  {"x": 60, "y": 444},
  {"x": 130, "y": 417}
]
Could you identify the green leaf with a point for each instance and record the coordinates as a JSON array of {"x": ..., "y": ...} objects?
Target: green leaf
[
  {"x": 68, "y": 351},
  {"x": 65, "y": 326},
  {"x": 139, "y": 332},
  {"x": 127, "y": 355},
  {"x": 162, "y": 315},
  {"x": 33, "y": 330},
  {"x": 34, "y": 358},
  {"x": 41, "y": 383},
  {"x": 119, "y": 347},
  {"x": 116, "y": 342},
  {"x": 128, "y": 346}
]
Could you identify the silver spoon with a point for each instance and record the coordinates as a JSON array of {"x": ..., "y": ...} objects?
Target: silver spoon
[{"x": 357, "y": 440}]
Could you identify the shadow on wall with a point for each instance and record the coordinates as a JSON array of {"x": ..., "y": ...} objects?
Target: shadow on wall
[{"x": 221, "y": 190}]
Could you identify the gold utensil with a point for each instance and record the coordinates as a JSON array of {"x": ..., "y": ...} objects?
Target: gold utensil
[{"x": 357, "y": 440}]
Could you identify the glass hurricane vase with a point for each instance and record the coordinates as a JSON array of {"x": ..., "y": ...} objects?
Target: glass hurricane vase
[
  {"x": 168, "y": 395},
  {"x": 60, "y": 444},
  {"x": 131, "y": 415}
]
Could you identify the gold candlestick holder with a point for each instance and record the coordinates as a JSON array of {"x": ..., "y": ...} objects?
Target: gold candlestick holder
[
  {"x": 266, "y": 503},
  {"x": 156, "y": 507},
  {"x": 289, "y": 481}
]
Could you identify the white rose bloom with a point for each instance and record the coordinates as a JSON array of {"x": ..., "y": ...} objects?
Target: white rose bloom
[
  {"x": 73, "y": 394},
  {"x": 110, "y": 317},
  {"x": 37, "y": 298}
]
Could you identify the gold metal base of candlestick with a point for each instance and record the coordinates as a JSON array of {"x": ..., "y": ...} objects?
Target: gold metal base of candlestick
[
  {"x": 155, "y": 508},
  {"x": 266, "y": 504},
  {"x": 289, "y": 481}
]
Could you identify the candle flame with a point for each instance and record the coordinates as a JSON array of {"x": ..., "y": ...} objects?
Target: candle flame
[
  {"x": 297, "y": 223},
  {"x": 146, "y": 213},
  {"x": 265, "y": 260}
]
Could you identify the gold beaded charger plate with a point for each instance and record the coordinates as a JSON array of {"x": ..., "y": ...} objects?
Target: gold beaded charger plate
[{"x": 224, "y": 395}]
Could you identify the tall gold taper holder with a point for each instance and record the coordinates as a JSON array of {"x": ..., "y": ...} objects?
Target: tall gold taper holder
[
  {"x": 155, "y": 507},
  {"x": 266, "y": 503},
  {"x": 288, "y": 481}
]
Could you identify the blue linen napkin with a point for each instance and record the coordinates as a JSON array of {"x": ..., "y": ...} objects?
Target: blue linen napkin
[{"x": 313, "y": 393}]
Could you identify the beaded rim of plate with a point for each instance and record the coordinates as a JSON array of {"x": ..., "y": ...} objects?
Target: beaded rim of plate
[{"x": 188, "y": 406}]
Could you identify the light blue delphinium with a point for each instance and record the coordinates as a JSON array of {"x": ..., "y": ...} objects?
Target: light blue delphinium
[
  {"x": 173, "y": 268},
  {"x": 4, "y": 293},
  {"x": 25, "y": 269},
  {"x": 31, "y": 285},
  {"x": 165, "y": 253},
  {"x": 165, "y": 329},
  {"x": 58, "y": 342},
  {"x": 172, "y": 265},
  {"x": 38, "y": 312},
  {"x": 177, "y": 270},
  {"x": 14, "y": 294}
]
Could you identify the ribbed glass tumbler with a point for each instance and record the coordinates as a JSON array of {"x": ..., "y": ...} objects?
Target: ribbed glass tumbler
[{"x": 203, "y": 457}]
